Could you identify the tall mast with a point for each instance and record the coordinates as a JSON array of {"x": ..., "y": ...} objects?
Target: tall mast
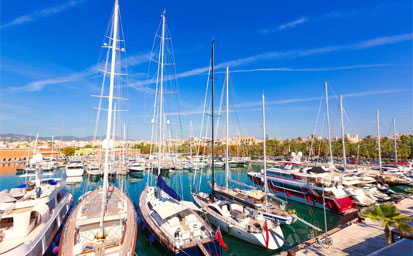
[
  {"x": 264, "y": 149},
  {"x": 212, "y": 121},
  {"x": 110, "y": 105},
  {"x": 328, "y": 125},
  {"x": 395, "y": 140},
  {"x": 38, "y": 175},
  {"x": 35, "y": 145},
  {"x": 342, "y": 133},
  {"x": 190, "y": 138},
  {"x": 123, "y": 146},
  {"x": 114, "y": 134},
  {"x": 378, "y": 138},
  {"x": 52, "y": 145},
  {"x": 161, "y": 93},
  {"x": 227, "y": 131}
]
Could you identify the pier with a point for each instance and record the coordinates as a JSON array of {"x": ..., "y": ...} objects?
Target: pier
[{"x": 356, "y": 239}]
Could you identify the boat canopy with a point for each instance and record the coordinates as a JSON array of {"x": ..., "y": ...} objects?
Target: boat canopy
[
  {"x": 162, "y": 185},
  {"x": 16, "y": 192},
  {"x": 169, "y": 208},
  {"x": 5, "y": 197},
  {"x": 317, "y": 169}
]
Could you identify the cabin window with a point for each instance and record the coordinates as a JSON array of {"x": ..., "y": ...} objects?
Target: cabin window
[
  {"x": 315, "y": 192},
  {"x": 6, "y": 223},
  {"x": 51, "y": 204},
  {"x": 34, "y": 217},
  {"x": 328, "y": 194},
  {"x": 59, "y": 198}
]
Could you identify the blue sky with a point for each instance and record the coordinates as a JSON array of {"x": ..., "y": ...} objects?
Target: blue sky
[{"x": 286, "y": 49}]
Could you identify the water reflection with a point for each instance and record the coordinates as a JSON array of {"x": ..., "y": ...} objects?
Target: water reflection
[{"x": 184, "y": 182}]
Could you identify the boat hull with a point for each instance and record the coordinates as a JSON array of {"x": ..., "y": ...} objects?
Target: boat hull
[
  {"x": 258, "y": 239},
  {"x": 40, "y": 243},
  {"x": 339, "y": 205},
  {"x": 68, "y": 241},
  {"x": 213, "y": 247},
  {"x": 74, "y": 172}
]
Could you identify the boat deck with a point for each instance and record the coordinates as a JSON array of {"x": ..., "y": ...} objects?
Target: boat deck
[
  {"x": 86, "y": 216},
  {"x": 166, "y": 240},
  {"x": 357, "y": 239}
]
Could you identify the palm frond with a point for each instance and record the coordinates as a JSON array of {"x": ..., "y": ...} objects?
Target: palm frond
[{"x": 405, "y": 228}]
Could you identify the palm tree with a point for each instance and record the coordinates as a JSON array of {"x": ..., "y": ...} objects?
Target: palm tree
[{"x": 388, "y": 215}]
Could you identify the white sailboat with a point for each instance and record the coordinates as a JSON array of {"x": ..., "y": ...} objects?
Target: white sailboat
[
  {"x": 362, "y": 197},
  {"x": 242, "y": 222},
  {"x": 252, "y": 198},
  {"x": 104, "y": 222},
  {"x": 32, "y": 213},
  {"x": 170, "y": 220}
]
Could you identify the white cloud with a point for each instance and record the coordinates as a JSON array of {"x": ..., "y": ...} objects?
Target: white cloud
[
  {"x": 143, "y": 57},
  {"x": 285, "y": 26},
  {"x": 299, "y": 100},
  {"x": 37, "y": 14},
  {"x": 320, "y": 69},
  {"x": 294, "y": 54},
  {"x": 248, "y": 106},
  {"x": 40, "y": 84}
]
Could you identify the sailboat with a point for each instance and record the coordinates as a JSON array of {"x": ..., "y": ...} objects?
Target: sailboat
[
  {"x": 30, "y": 166},
  {"x": 232, "y": 217},
  {"x": 252, "y": 198},
  {"x": 104, "y": 221},
  {"x": 307, "y": 184},
  {"x": 31, "y": 213},
  {"x": 390, "y": 176},
  {"x": 173, "y": 222}
]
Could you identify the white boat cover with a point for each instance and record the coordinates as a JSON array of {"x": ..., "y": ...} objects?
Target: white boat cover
[
  {"x": 16, "y": 192},
  {"x": 170, "y": 208},
  {"x": 6, "y": 198}
]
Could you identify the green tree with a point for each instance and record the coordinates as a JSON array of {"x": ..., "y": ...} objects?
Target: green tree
[
  {"x": 68, "y": 151},
  {"x": 388, "y": 215}
]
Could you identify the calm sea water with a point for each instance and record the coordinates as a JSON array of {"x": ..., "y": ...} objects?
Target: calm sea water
[{"x": 182, "y": 182}]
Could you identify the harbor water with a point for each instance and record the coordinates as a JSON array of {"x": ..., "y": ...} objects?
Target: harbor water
[{"x": 183, "y": 182}]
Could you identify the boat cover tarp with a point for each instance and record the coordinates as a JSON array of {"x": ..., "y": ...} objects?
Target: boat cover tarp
[
  {"x": 5, "y": 197},
  {"x": 170, "y": 208},
  {"x": 162, "y": 185},
  {"x": 16, "y": 192},
  {"x": 317, "y": 170}
]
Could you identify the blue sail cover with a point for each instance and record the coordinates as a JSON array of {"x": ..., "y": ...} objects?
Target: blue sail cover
[{"x": 162, "y": 184}]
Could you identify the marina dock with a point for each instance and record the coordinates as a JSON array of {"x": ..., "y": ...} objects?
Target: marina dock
[{"x": 356, "y": 239}]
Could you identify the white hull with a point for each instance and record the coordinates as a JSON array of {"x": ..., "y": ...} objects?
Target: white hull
[
  {"x": 37, "y": 242},
  {"x": 74, "y": 172},
  {"x": 256, "y": 239},
  {"x": 94, "y": 171},
  {"x": 239, "y": 229},
  {"x": 74, "y": 179},
  {"x": 133, "y": 169}
]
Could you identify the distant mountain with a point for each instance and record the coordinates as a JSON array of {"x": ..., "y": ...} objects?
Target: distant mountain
[{"x": 17, "y": 137}]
